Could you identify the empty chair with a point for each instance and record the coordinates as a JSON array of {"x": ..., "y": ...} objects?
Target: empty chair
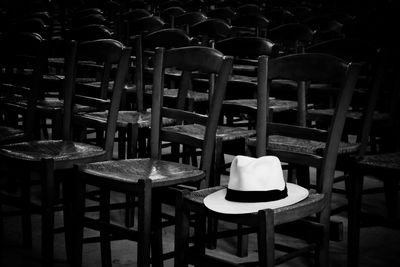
[
  {"x": 51, "y": 160},
  {"x": 169, "y": 14},
  {"x": 88, "y": 19},
  {"x": 250, "y": 25},
  {"x": 143, "y": 26},
  {"x": 224, "y": 13},
  {"x": 188, "y": 19},
  {"x": 292, "y": 37},
  {"x": 148, "y": 178},
  {"x": 209, "y": 31},
  {"x": 249, "y": 9}
]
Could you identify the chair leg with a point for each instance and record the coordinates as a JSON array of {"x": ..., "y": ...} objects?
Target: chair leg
[
  {"x": 156, "y": 241},
  {"x": 200, "y": 236},
  {"x": 242, "y": 242},
  {"x": 132, "y": 141},
  {"x": 266, "y": 238},
  {"x": 105, "y": 240},
  {"x": 391, "y": 185},
  {"x": 48, "y": 195},
  {"x": 354, "y": 185},
  {"x": 26, "y": 212},
  {"x": 121, "y": 143},
  {"x": 72, "y": 208},
  {"x": 75, "y": 196},
  {"x": 1, "y": 223},
  {"x": 144, "y": 224},
  {"x": 181, "y": 232}
]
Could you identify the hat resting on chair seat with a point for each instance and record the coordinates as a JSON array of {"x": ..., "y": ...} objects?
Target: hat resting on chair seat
[{"x": 255, "y": 184}]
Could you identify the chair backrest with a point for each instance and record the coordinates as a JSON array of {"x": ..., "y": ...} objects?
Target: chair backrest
[
  {"x": 247, "y": 47},
  {"x": 166, "y": 38},
  {"x": 135, "y": 14},
  {"x": 224, "y": 13},
  {"x": 304, "y": 69},
  {"x": 87, "y": 20},
  {"x": 279, "y": 16},
  {"x": 249, "y": 9},
  {"x": 292, "y": 37},
  {"x": 143, "y": 26},
  {"x": 188, "y": 59},
  {"x": 111, "y": 52},
  {"x": 89, "y": 32},
  {"x": 210, "y": 30},
  {"x": 247, "y": 51},
  {"x": 21, "y": 53},
  {"x": 170, "y": 13},
  {"x": 187, "y": 19},
  {"x": 35, "y": 25},
  {"x": 251, "y": 25}
]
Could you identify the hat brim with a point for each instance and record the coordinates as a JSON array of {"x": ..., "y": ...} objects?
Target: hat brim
[{"x": 217, "y": 202}]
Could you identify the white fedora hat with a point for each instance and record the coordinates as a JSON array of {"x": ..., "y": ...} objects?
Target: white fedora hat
[{"x": 255, "y": 184}]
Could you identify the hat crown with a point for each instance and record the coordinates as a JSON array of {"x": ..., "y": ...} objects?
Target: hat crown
[{"x": 256, "y": 174}]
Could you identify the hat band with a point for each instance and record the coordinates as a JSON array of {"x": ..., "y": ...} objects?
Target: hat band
[{"x": 255, "y": 196}]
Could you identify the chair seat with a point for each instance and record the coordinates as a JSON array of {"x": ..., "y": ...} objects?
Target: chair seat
[
  {"x": 276, "y": 105},
  {"x": 161, "y": 173},
  {"x": 314, "y": 200},
  {"x": 224, "y": 133},
  {"x": 173, "y": 93},
  {"x": 53, "y": 103},
  {"x": 298, "y": 145},
  {"x": 354, "y": 115},
  {"x": 387, "y": 161},
  {"x": 56, "y": 149},
  {"x": 89, "y": 84},
  {"x": 8, "y": 134},
  {"x": 49, "y": 104},
  {"x": 143, "y": 119}
]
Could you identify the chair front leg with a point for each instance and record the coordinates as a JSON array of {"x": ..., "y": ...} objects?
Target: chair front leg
[
  {"x": 48, "y": 198},
  {"x": 181, "y": 231},
  {"x": 144, "y": 223},
  {"x": 266, "y": 238}
]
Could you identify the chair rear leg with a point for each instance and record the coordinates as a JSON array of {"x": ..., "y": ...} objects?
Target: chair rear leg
[{"x": 105, "y": 239}]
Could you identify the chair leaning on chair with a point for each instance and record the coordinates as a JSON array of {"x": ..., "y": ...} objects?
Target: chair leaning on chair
[
  {"x": 310, "y": 67},
  {"x": 53, "y": 159},
  {"x": 148, "y": 178}
]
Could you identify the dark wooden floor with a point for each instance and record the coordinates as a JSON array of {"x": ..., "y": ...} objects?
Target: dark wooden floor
[{"x": 380, "y": 246}]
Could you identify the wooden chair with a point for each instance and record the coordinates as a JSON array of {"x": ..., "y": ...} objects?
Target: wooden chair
[
  {"x": 292, "y": 37},
  {"x": 249, "y": 9},
  {"x": 52, "y": 160},
  {"x": 143, "y": 26},
  {"x": 14, "y": 58},
  {"x": 187, "y": 19},
  {"x": 169, "y": 14},
  {"x": 363, "y": 118},
  {"x": 148, "y": 177},
  {"x": 98, "y": 19},
  {"x": 382, "y": 165},
  {"x": 290, "y": 219},
  {"x": 127, "y": 18},
  {"x": 250, "y": 25},
  {"x": 280, "y": 16},
  {"x": 210, "y": 31},
  {"x": 224, "y": 13}
]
